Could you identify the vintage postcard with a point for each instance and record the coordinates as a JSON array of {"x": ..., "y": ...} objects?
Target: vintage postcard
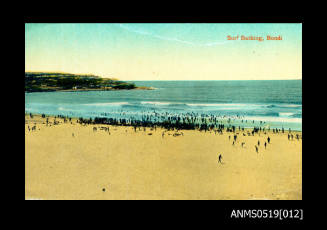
[{"x": 163, "y": 111}]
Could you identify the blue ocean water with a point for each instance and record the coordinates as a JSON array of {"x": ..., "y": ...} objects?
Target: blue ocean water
[{"x": 277, "y": 103}]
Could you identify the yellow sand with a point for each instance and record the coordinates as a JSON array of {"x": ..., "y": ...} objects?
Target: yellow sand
[{"x": 131, "y": 165}]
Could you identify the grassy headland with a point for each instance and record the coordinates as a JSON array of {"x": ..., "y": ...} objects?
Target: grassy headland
[{"x": 46, "y": 82}]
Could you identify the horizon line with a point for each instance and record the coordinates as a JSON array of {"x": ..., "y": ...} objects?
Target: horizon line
[{"x": 226, "y": 80}]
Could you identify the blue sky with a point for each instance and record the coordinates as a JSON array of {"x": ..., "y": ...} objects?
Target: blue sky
[{"x": 165, "y": 51}]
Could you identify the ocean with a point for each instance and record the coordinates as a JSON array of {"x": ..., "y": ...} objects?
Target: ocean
[{"x": 274, "y": 104}]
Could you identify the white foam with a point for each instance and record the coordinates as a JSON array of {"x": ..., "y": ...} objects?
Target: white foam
[
  {"x": 198, "y": 104},
  {"x": 285, "y": 114},
  {"x": 108, "y": 103},
  {"x": 223, "y": 104},
  {"x": 157, "y": 103},
  {"x": 290, "y": 106},
  {"x": 274, "y": 119}
]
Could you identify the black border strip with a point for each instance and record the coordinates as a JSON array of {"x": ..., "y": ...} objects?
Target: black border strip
[{"x": 163, "y": 19}]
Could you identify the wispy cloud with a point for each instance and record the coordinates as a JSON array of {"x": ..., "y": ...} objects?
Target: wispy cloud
[{"x": 146, "y": 33}]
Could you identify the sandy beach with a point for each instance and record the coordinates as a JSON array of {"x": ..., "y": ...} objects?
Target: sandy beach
[{"x": 72, "y": 161}]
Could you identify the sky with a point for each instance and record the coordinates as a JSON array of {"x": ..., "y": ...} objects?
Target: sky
[{"x": 152, "y": 51}]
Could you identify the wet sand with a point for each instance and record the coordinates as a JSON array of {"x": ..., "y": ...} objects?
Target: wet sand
[{"x": 134, "y": 165}]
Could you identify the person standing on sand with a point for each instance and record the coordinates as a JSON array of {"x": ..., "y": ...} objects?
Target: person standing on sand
[
  {"x": 268, "y": 139},
  {"x": 265, "y": 145},
  {"x": 258, "y": 143},
  {"x": 256, "y": 148},
  {"x": 220, "y": 158}
]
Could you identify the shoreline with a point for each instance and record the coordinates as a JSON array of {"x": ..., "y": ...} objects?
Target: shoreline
[{"x": 130, "y": 125}]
